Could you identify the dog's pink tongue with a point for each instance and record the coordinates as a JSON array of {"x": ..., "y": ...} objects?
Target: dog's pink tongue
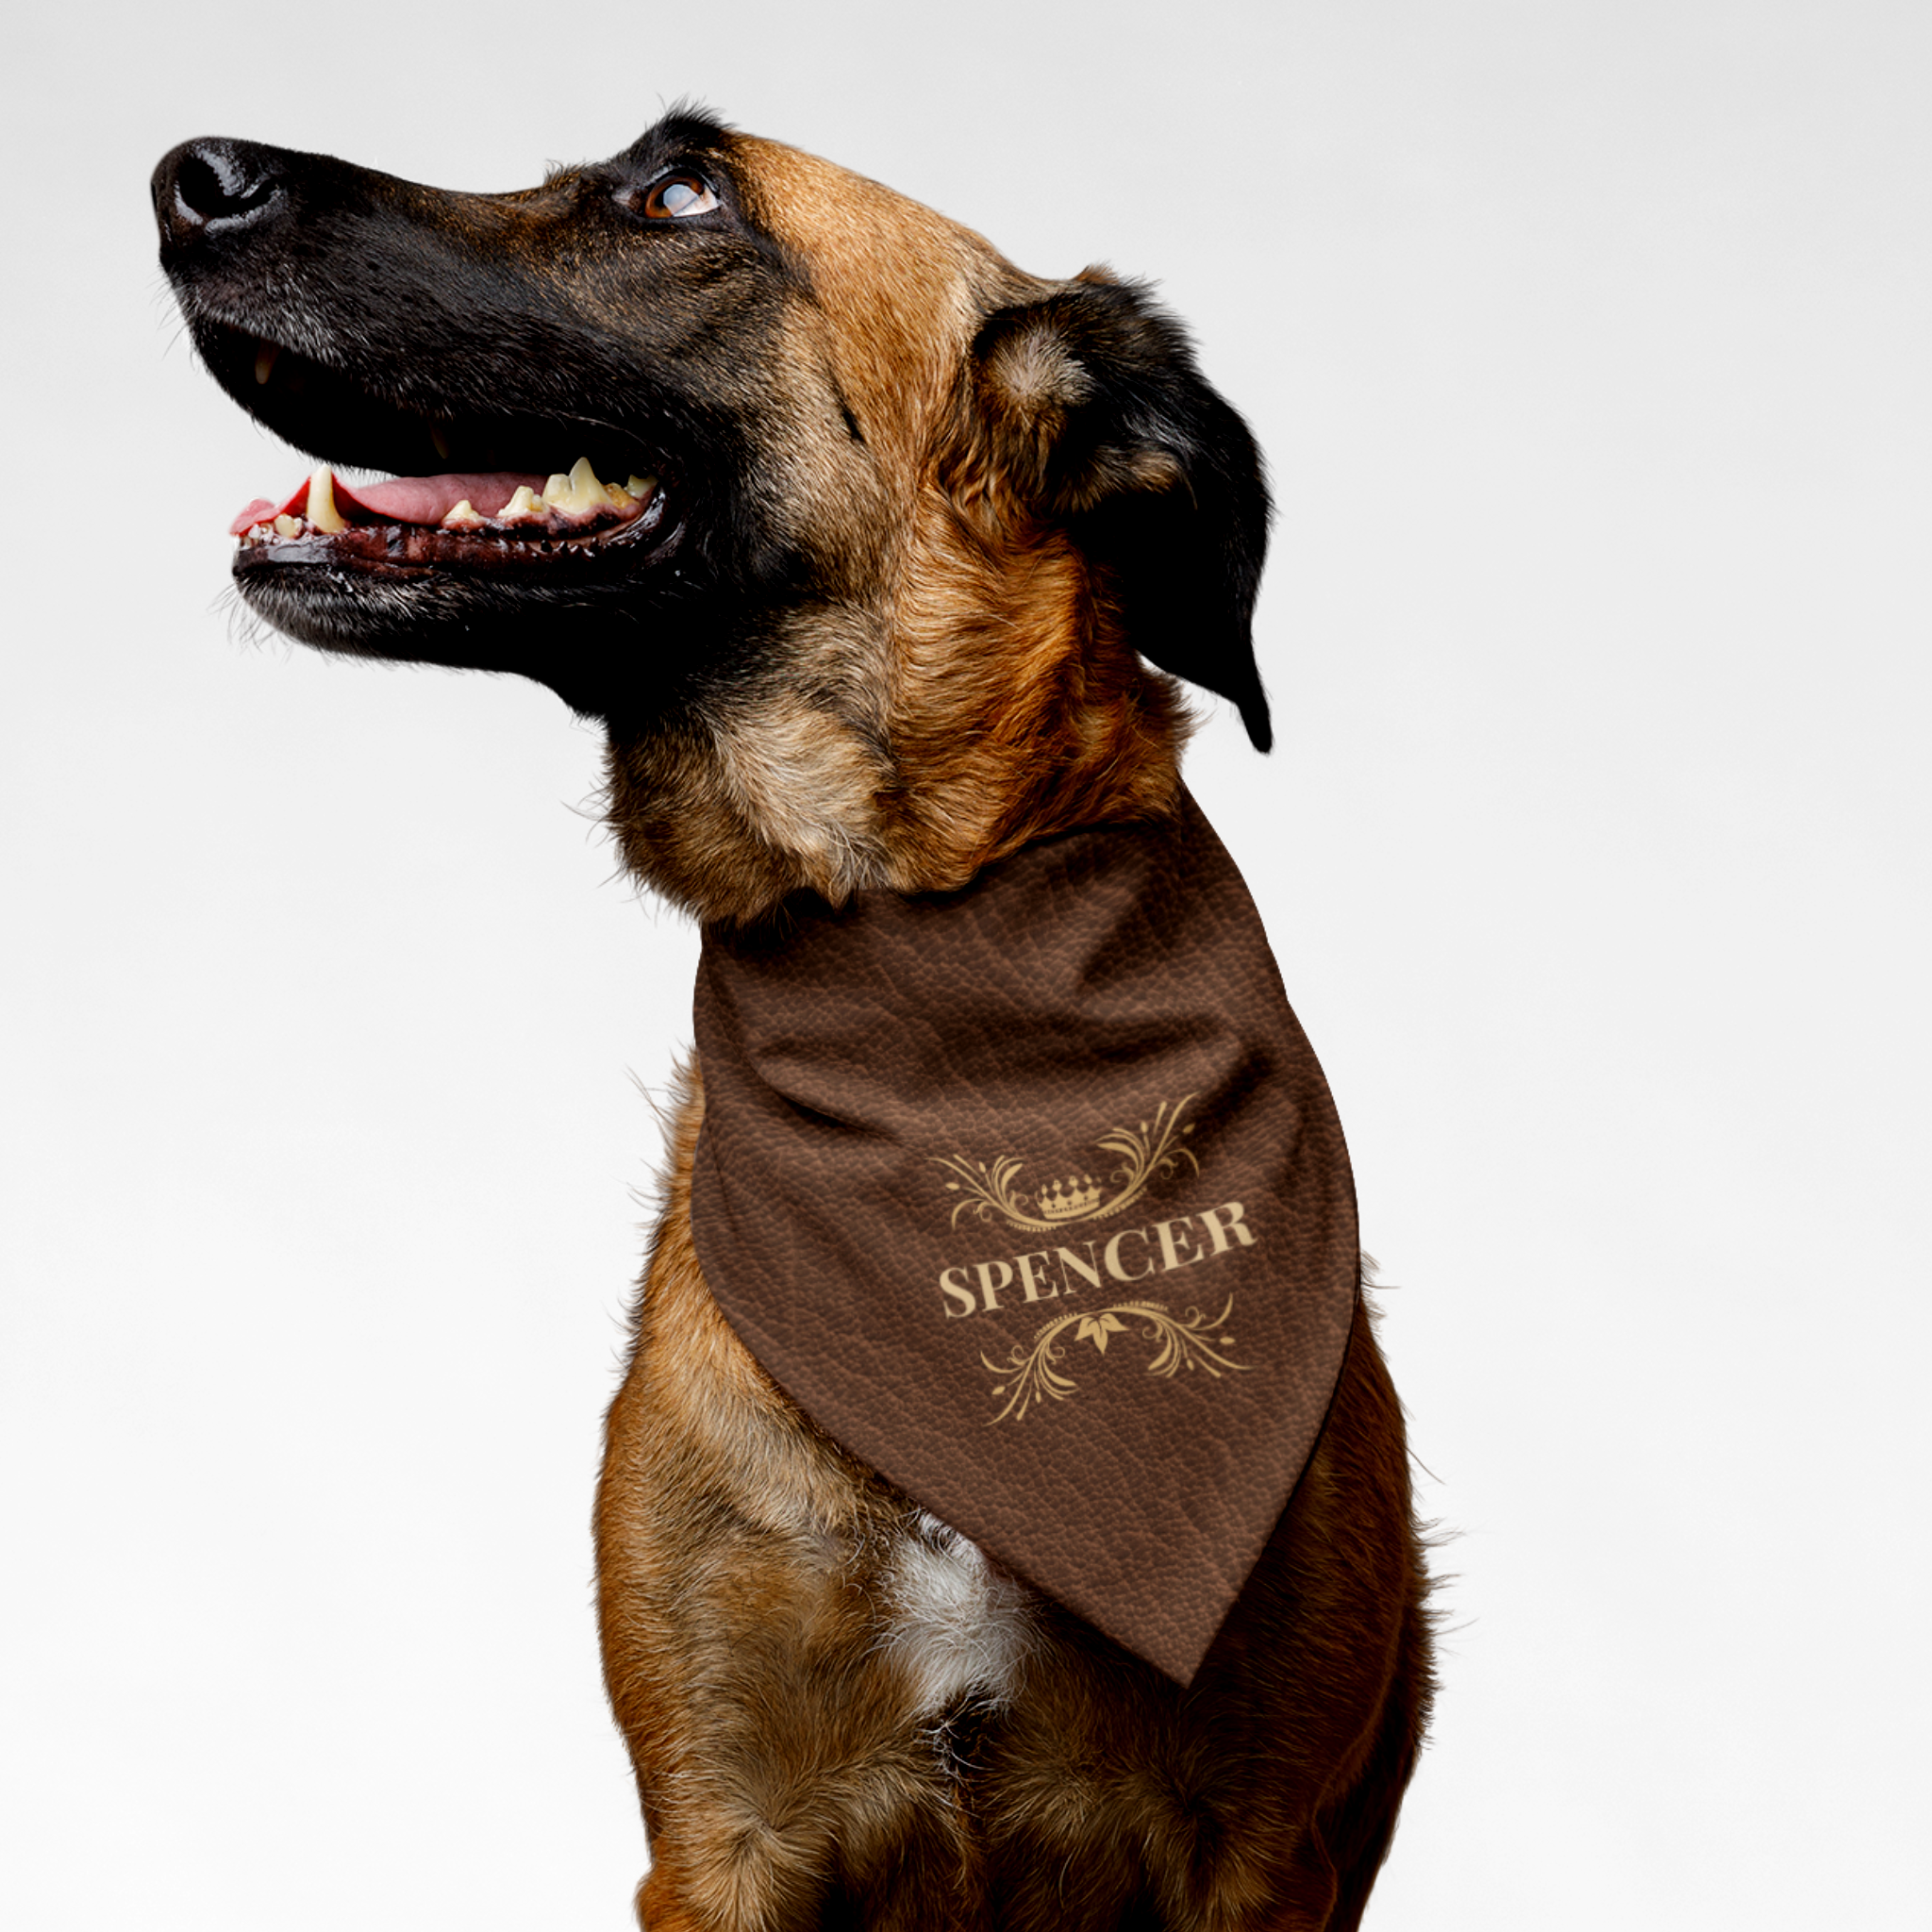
[
  {"x": 429, "y": 499},
  {"x": 259, "y": 511},
  {"x": 402, "y": 499}
]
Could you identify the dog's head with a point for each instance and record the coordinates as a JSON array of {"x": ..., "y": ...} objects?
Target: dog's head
[{"x": 854, "y": 535}]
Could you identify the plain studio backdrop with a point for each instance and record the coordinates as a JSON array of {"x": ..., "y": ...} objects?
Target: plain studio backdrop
[{"x": 1589, "y": 347}]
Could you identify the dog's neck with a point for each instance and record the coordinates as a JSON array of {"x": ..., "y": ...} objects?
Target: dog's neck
[{"x": 904, "y": 755}]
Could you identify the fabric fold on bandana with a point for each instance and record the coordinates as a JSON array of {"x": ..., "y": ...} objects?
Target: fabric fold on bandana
[{"x": 1033, "y": 1197}]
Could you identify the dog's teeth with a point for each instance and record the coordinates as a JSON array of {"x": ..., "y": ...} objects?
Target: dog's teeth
[
  {"x": 439, "y": 441},
  {"x": 463, "y": 517},
  {"x": 644, "y": 487},
  {"x": 586, "y": 492},
  {"x": 522, "y": 507},
  {"x": 577, "y": 492},
  {"x": 287, "y": 526},
  {"x": 322, "y": 503},
  {"x": 265, "y": 355}
]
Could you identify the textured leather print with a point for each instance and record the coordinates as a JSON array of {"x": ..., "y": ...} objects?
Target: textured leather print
[{"x": 1033, "y": 1196}]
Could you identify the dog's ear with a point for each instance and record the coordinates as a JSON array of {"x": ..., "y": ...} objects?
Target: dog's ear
[{"x": 1089, "y": 412}]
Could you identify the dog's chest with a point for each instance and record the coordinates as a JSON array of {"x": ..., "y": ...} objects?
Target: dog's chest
[{"x": 956, "y": 1627}]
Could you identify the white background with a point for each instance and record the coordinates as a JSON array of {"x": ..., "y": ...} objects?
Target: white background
[{"x": 1589, "y": 346}]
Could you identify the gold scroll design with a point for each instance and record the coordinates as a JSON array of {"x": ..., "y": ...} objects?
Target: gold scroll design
[
  {"x": 1146, "y": 1152},
  {"x": 1033, "y": 1374}
]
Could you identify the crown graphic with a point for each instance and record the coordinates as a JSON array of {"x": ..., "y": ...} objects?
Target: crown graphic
[
  {"x": 1146, "y": 1154},
  {"x": 1068, "y": 1199}
]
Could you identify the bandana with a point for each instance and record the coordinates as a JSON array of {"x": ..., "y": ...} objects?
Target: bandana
[{"x": 1033, "y": 1197}]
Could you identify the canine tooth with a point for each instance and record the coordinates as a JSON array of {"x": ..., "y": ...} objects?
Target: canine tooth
[
  {"x": 287, "y": 526},
  {"x": 520, "y": 506},
  {"x": 322, "y": 503},
  {"x": 265, "y": 355},
  {"x": 462, "y": 517},
  {"x": 585, "y": 490},
  {"x": 439, "y": 441}
]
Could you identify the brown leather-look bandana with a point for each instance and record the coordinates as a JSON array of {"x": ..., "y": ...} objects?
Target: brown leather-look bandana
[{"x": 1032, "y": 1195}]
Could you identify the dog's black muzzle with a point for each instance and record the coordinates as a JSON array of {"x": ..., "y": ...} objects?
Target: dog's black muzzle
[{"x": 383, "y": 325}]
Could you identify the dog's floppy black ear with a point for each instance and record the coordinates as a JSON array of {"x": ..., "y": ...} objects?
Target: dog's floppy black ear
[{"x": 1092, "y": 412}]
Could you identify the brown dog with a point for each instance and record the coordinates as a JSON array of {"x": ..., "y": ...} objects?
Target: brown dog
[{"x": 899, "y": 526}]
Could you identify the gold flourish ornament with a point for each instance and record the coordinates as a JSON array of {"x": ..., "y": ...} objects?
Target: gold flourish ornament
[
  {"x": 1033, "y": 1376},
  {"x": 1145, "y": 1152}
]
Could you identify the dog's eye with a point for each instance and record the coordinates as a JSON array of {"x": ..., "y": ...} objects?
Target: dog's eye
[{"x": 675, "y": 196}]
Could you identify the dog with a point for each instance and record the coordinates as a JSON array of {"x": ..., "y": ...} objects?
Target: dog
[{"x": 877, "y": 559}]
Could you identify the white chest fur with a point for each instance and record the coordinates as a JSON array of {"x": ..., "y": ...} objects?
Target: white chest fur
[{"x": 960, "y": 1626}]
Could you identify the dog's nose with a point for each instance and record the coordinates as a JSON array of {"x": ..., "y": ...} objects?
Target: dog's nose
[{"x": 216, "y": 187}]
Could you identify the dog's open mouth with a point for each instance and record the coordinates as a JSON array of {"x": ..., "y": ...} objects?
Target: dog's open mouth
[
  {"x": 484, "y": 518},
  {"x": 485, "y": 510}
]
